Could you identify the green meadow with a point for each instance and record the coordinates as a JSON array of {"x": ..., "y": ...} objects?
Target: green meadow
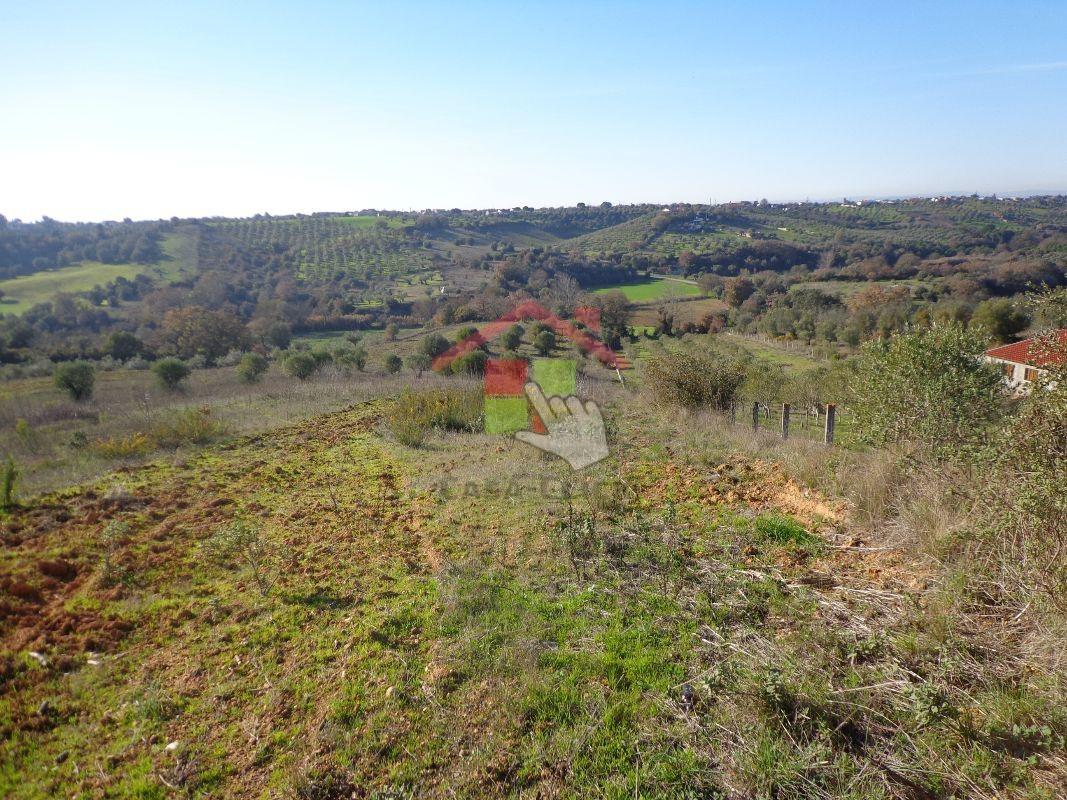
[
  {"x": 652, "y": 289},
  {"x": 26, "y": 291}
]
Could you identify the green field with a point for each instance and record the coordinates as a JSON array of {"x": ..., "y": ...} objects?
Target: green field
[
  {"x": 26, "y": 291},
  {"x": 652, "y": 289}
]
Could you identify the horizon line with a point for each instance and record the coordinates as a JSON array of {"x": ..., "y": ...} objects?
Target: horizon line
[{"x": 999, "y": 195}]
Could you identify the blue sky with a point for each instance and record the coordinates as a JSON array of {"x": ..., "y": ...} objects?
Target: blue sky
[{"x": 152, "y": 110}]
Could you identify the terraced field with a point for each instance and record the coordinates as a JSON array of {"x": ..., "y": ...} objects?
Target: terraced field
[{"x": 322, "y": 246}]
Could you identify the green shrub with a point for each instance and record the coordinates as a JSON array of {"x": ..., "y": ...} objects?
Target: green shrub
[
  {"x": 279, "y": 335},
  {"x": 76, "y": 378},
  {"x": 408, "y": 430},
  {"x": 242, "y": 543},
  {"x": 927, "y": 388},
  {"x": 25, "y": 433},
  {"x": 393, "y": 363},
  {"x": 472, "y": 363},
  {"x": 434, "y": 345},
  {"x": 999, "y": 318},
  {"x": 545, "y": 342},
  {"x": 301, "y": 365},
  {"x": 8, "y": 480},
  {"x": 691, "y": 380},
  {"x": 170, "y": 372},
  {"x": 189, "y": 426},
  {"x": 418, "y": 363},
  {"x": 512, "y": 337},
  {"x": 350, "y": 358},
  {"x": 465, "y": 333},
  {"x": 123, "y": 345},
  {"x": 251, "y": 367}
]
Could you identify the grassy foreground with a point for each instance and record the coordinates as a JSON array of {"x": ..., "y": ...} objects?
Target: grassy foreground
[{"x": 319, "y": 612}]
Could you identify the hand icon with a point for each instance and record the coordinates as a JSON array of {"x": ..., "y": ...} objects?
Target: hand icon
[{"x": 575, "y": 429}]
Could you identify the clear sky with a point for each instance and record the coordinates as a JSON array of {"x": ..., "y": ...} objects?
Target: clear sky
[{"x": 149, "y": 110}]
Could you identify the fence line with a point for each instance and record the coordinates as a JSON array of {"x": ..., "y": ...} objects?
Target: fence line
[{"x": 791, "y": 422}]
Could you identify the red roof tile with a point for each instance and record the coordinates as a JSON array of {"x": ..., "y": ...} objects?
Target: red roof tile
[{"x": 1020, "y": 352}]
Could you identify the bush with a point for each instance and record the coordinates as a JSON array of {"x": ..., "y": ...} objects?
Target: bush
[
  {"x": 350, "y": 358},
  {"x": 512, "y": 337},
  {"x": 472, "y": 363},
  {"x": 393, "y": 363},
  {"x": 251, "y": 367},
  {"x": 691, "y": 380},
  {"x": 1023, "y": 520},
  {"x": 170, "y": 372},
  {"x": 279, "y": 335},
  {"x": 926, "y": 387},
  {"x": 231, "y": 359},
  {"x": 465, "y": 333},
  {"x": 123, "y": 345},
  {"x": 76, "y": 379},
  {"x": 301, "y": 365},
  {"x": 415, "y": 414},
  {"x": 8, "y": 479},
  {"x": 434, "y": 345},
  {"x": 783, "y": 529},
  {"x": 999, "y": 319},
  {"x": 418, "y": 363},
  {"x": 545, "y": 342},
  {"x": 190, "y": 426}
]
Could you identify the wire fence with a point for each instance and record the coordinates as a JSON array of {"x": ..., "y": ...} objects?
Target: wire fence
[{"x": 827, "y": 423}]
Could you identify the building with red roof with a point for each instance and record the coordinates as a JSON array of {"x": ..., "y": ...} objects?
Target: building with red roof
[{"x": 1024, "y": 362}]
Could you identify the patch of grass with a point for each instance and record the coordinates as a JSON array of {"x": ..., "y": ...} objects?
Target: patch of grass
[
  {"x": 783, "y": 529},
  {"x": 652, "y": 289}
]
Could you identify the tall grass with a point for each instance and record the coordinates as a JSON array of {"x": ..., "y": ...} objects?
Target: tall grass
[{"x": 414, "y": 414}]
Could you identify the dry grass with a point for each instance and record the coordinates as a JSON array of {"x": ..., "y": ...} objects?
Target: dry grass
[{"x": 75, "y": 442}]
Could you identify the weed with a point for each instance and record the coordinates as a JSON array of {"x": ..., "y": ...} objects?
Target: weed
[
  {"x": 26, "y": 435},
  {"x": 931, "y": 704},
  {"x": 112, "y": 537},
  {"x": 132, "y": 446},
  {"x": 242, "y": 542},
  {"x": 577, "y": 533},
  {"x": 8, "y": 479},
  {"x": 323, "y": 784}
]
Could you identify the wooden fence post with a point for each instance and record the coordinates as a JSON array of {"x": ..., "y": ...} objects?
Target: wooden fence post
[
  {"x": 755, "y": 416},
  {"x": 785, "y": 420},
  {"x": 831, "y": 413}
]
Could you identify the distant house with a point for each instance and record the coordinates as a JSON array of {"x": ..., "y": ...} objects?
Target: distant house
[{"x": 1022, "y": 363}]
